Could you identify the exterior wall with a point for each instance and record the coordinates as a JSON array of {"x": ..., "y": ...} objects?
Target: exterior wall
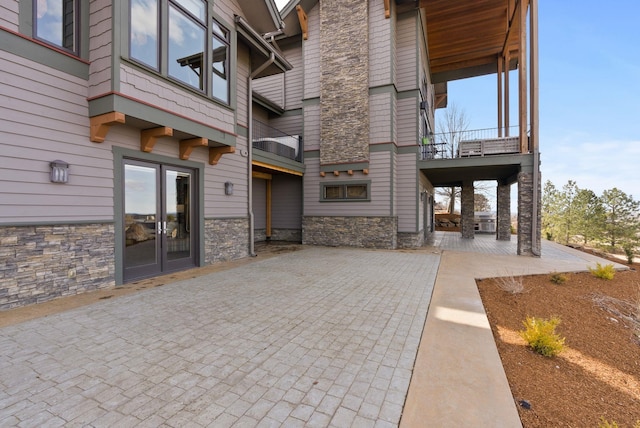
[
  {"x": 407, "y": 61},
  {"x": 408, "y": 121},
  {"x": 311, "y": 53},
  {"x": 42, "y": 262},
  {"x": 60, "y": 239},
  {"x": 226, "y": 239},
  {"x": 287, "y": 202},
  {"x": 380, "y": 46},
  {"x": 271, "y": 87},
  {"x": 259, "y": 204},
  {"x": 408, "y": 197},
  {"x": 9, "y": 14},
  {"x": 381, "y": 112},
  {"x": 100, "y": 48},
  {"x": 294, "y": 78},
  {"x": 366, "y": 232},
  {"x": 344, "y": 84},
  {"x": 44, "y": 118}
]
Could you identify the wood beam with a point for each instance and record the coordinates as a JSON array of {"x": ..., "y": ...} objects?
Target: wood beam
[
  {"x": 187, "y": 146},
  {"x": 215, "y": 153},
  {"x": 522, "y": 76},
  {"x": 387, "y": 9},
  {"x": 279, "y": 168},
  {"x": 268, "y": 209},
  {"x": 262, "y": 175},
  {"x": 304, "y": 22},
  {"x": 500, "y": 63},
  {"x": 100, "y": 125},
  {"x": 149, "y": 137}
]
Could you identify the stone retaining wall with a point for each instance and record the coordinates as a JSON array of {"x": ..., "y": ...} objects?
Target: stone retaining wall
[
  {"x": 225, "y": 239},
  {"x": 363, "y": 232},
  {"x": 39, "y": 263}
]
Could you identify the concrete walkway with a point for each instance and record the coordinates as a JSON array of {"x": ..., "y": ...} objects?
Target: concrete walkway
[
  {"x": 458, "y": 378},
  {"x": 317, "y": 337}
]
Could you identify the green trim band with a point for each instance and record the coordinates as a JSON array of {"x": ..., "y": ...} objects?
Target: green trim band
[
  {"x": 57, "y": 223},
  {"x": 152, "y": 114}
]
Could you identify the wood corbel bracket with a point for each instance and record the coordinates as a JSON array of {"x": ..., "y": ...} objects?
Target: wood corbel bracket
[
  {"x": 187, "y": 146},
  {"x": 148, "y": 137},
  {"x": 100, "y": 125},
  {"x": 304, "y": 21},
  {"x": 215, "y": 153},
  {"x": 387, "y": 9}
]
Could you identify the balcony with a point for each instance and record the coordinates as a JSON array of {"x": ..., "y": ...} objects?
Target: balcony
[
  {"x": 478, "y": 142},
  {"x": 271, "y": 140}
]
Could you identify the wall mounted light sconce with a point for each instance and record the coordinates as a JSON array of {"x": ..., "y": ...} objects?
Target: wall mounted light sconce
[
  {"x": 59, "y": 171},
  {"x": 228, "y": 188}
]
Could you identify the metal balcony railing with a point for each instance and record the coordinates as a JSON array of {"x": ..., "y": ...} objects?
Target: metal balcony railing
[
  {"x": 477, "y": 142},
  {"x": 272, "y": 140}
]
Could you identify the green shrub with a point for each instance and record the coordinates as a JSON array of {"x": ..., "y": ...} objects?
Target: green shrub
[
  {"x": 604, "y": 272},
  {"x": 558, "y": 278},
  {"x": 540, "y": 334},
  {"x": 606, "y": 424}
]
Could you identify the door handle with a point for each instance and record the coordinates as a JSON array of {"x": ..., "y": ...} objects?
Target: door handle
[{"x": 162, "y": 227}]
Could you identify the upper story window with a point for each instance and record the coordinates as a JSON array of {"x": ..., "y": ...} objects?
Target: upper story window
[
  {"x": 56, "y": 22},
  {"x": 195, "y": 50}
]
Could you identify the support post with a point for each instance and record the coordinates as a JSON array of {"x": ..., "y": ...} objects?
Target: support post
[
  {"x": 503, "y": 226},
  {"x": 467, "y": 210}
]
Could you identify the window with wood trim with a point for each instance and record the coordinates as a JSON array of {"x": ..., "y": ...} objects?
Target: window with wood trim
[
  {"x": 357, "y": 191},
  {"x": 56, "y": 23},
  {"x": 195, "y": 50}
]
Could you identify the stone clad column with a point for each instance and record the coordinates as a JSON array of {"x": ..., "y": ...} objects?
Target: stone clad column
[
  {"x": 344, "y": 85},
  {"x": 467, "y": 210},
  {"x": 503, "y": 230},
  {"x": 528, "y": 245}
]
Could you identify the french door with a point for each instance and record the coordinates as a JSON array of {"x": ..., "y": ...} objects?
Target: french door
[{"x": 160, "y": 230}]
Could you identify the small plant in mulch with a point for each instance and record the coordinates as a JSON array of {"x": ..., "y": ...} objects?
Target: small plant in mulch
[
  {"x": 510, "y": 284},
  {"x": 606, "y": 272},
  {"x": 540, "y": 334},
  {"x": 613, "y": 424},
  {"x": 558, "y": 278}
]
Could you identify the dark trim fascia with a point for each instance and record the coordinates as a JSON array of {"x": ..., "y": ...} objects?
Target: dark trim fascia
[{"x": 278, "y": 161}]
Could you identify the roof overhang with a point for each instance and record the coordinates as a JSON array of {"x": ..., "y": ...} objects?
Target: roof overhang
[
  {"x": 261, "y": 50},
  {"x": 453, "y": 172},
  {"x": 467, "y": 37},
  {"x": 262, "y": 14}
]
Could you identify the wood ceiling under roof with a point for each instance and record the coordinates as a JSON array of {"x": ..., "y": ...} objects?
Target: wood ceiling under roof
[{"x": 466, "y": 37}]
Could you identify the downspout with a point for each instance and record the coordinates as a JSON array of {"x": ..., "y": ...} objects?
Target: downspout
[
  {"x": 257, "y": 71},
  {"x": 535, "y": 126}
]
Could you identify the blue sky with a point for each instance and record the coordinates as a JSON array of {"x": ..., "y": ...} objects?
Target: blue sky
[{"x": 589, "y": 94}]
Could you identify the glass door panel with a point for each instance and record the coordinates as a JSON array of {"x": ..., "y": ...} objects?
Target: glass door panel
[
  {"x": 141, "y": 207},
  {"x": 178, "y": 214}
]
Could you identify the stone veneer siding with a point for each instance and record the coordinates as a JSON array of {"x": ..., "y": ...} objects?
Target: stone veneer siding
[
  {"x": 410, "y": 240},
  {"x": 225, "y": 239},
  {"x": 503, "y": 227},
  {"x": 526, "y": 245},
  {"x": 40, "y": 263},
  {"x": 287, "y": 235},
  {"x": 363, "y": 232},
  {"x": 344, "y": 84},
  {"x": 467, "y": 213}
]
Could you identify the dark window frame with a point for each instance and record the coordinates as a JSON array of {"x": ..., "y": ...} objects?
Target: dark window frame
[
  {"x": 76, "y": 14},
  {"x": 205, "y": 64},
  {"x": 343, "y": 187}
]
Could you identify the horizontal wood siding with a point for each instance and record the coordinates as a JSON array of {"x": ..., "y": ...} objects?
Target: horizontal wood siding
[
  {"x": 407, "y": 190},
  {"x": 44, "y": 118},
  {"x": 286, "y": 201},
  {"x": 379, "y": 45},
  {"x": 100, "y": 47},
  {"x": 259, "y": 203},
  {"x": 311, "y": 52},
  {"x": 227, "y": 9},
  {"x": 272, "y": 88},
  {"x": 242, "y": 85},
  {"x": 407, "y": 61},
  {"x": 294, "y": 78},
  {"x": 380, "y": 113},
  {"x": 161, "y": 93},
  {"x": 408, "y": 121},
  {"x": 9, "y": 14},
  {"x": 289, "y": 124},
  {"x": 379, "y": 176},
  {"x": 312, "y": 127}
]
